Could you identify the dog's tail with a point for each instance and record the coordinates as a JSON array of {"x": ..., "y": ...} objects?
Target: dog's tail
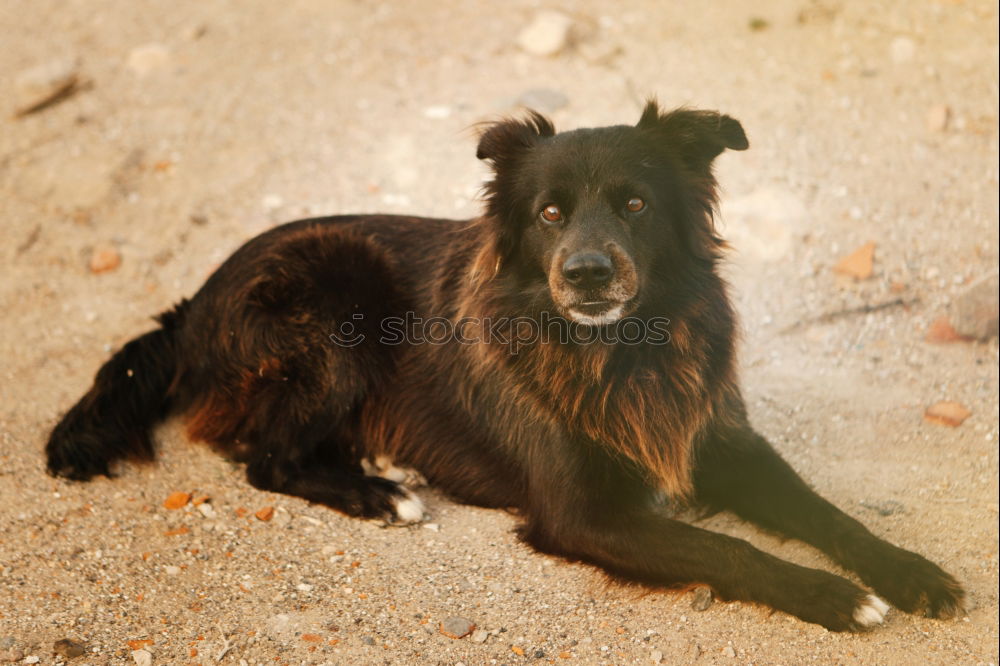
[{"x": 129, "y": 396}]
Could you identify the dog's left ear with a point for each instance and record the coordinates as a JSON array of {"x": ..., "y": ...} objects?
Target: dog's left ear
[{"x": 697, "y": 136}]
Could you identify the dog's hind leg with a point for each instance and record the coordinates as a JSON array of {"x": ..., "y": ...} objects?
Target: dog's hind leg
[
  {"x": 345, "y": 489},
  {"x": 286, "y": 345},
  {"x": 739, "y": 471},
  {"x": 309, "y": 457}
]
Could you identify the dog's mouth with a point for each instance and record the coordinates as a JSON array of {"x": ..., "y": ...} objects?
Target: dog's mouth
[{"x": 596, "y": 313}]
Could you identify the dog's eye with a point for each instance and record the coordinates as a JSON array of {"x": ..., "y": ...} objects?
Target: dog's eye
[
  {"x": 551, "y": 214},
  {"x": 635, "y": 204}
]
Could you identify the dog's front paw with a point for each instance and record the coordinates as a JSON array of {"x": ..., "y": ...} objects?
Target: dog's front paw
[
  {"x": 835, "y": 603},
  {"x": 913, "y": 583},
  {"x": 870, "y": 612}
]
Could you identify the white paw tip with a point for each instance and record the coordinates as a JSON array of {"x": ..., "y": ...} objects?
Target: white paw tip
[
  {"x": 871, "y": 612},
  {"x": 409, "y": 509}
]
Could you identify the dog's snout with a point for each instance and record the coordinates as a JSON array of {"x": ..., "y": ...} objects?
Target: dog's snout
[{"x": 588, "y": 270}]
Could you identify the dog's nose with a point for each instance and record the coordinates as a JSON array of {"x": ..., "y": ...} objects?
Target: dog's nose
[{"x": 588, "y": 270}]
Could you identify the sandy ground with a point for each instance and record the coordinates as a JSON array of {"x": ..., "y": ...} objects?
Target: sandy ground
[{"x": 194, "y": 126}]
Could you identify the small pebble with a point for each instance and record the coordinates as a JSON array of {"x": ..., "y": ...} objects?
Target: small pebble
[
  {"x": 439, "y": 112},
  {"x": 68, "y": 648},
  {"x": 859, "y": 264},
  {"x": 142, "y": 658},
  {"x": 902, "y": 49},
  {"x": 144, "y": 59},
  {"x": 728, "y": 651},
  {"x": 976, "y": 310},
  {"x": 176, "y": 500},
  {"x": 272, "y": 201},
  {"x": 104, "y": 258},
  {"x": 32, "y": 659},
  {"x": 479, "y": 636},
  {"x": 947, "y": 413},
  {"x": 938, "y": 117},
  {"x": 281, "y": 517},
  {"x": 941, "y": 331},
  {"x": 457, "y": 627},
  {"x": 171, "y": 570},
  {"x": 702, "y": 598},
  {"x": 368, "y": 640},
  {"x": 11, "y": 655},
  {"x": 546, "y": 35},
  {"x": 194, "y": 31},
  {"x": 37, "y": 87},
  {"x": 656, "y": 656},
  {"x": 206, "y": 510}
]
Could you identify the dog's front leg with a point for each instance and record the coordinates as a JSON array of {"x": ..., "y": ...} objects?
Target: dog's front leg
[
  {"x": 739, "y": 471},
  {"x": 588, "y": 508}
]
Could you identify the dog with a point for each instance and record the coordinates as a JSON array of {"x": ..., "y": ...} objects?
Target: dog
[{"x": 568, "y": 354}]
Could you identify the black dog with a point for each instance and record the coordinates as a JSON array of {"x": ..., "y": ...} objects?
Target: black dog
[{"x": 568, "y": 353}]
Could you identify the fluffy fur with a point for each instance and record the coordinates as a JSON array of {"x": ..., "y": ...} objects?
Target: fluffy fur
[{"x": 282, "y": 361}]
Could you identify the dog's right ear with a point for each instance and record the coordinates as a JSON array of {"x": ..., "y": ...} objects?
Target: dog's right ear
[
  {"x": 502, "y": 144},
  {"x": 504, "y": 140}
]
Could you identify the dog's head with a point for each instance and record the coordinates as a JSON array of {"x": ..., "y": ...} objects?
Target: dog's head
[{"x": 593, "y": 219}]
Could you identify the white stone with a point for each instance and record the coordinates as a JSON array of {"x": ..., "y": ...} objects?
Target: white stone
[
  {"x": 902, "y": 49},
  {"x": 272, "y": 201},
  {"x": 144, "y": 59},
  {"x": 438, "y": 112},
  {"x": 546, "y": 35},
  {"x": 142, "y": 658},
  {"x": 760, "y": 225}
]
